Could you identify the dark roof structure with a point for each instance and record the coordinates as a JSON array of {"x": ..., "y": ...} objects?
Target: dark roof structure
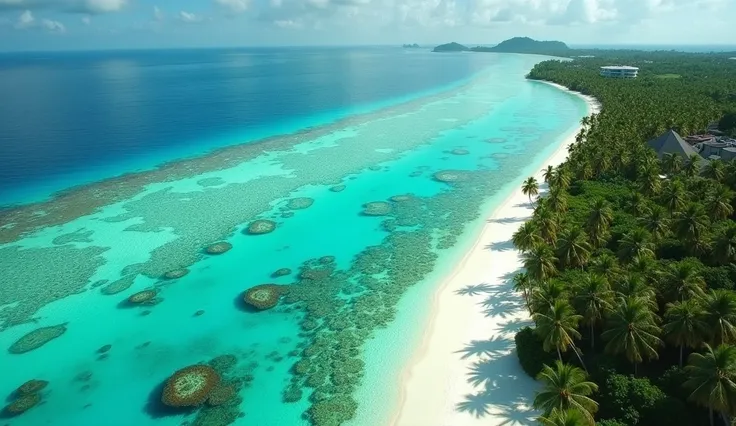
[{"x": 671, "y": 142}]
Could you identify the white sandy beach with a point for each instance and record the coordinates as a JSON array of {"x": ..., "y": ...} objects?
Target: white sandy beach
[{"x": 465, "y": 372}]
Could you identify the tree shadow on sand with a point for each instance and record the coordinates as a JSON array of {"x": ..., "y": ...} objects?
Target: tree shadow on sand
[
  {"x": 504, "y": 394},
  {"x": 509, "y": 220},
  {"x": 492, "y": 348},
  {"x": 474, "y": 290},
  {"x": 501, "y": 246},
  {"x": 513, "y": 326}
]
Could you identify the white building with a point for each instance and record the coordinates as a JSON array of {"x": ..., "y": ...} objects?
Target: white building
[{"x": 619, "y": 71}]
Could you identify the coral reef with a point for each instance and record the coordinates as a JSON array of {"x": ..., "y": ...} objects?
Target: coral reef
[
  {"x": 376, "y": 208},
  {"x": 176, "y": 273},
  {"x": 401, "y": 198},
  {"x": 450, "y": 176},
  {"x": 299, "y": 203},
  {"x": 37, "y": 338},
  {"x": 287, "y": 215},
  {"x": 223, "y": 363},
  {"x": 326, "y": 260},
  {"x": 31, "y": 386},
  {"x": 218, "y": 248},
  {"x": 22, "y": 404},
  {"x": 221, "y": 395},
  {"x": 199, "y": 313},
  {"x": 190, "y": 386},
  {"x": 79, "y": 236},
  {"x": 145, "y": 297},
  {"x": 337, "y": 188},
  {"x": 459, "y": 151},
  {"x": 263, "y": 296},
  {"x": 213, "y": 181},
  {"x": 104, "y": 349},
  {"x": 281, "y": 273},
  {"x": 118, "y": 286},
  {"x": 261, "y": 226}
]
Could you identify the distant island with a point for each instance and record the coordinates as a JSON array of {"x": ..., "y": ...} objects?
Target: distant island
[
  {"x": 513, "y": 45},
  {"x": 450, "y": 47},
  {"x": 411, "y": 46}
]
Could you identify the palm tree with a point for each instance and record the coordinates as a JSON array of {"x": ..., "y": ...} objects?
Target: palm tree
[
  {"x": 685, "y": 280},
  {"x": 671, "y": 163},
  {"x": 540, "y": 262},
  {"x": 712, "y": 378},
  {"x": 570, "y": 417},
  {"x": 720, "y": 315},
  {"x": 599, "y": 220},
  {"x": 573, "y": 248},
  {"x": 548, "y": 173},
  {"x": 593, "y": 298},
  {"x": 530, "y": 188},
  {"x": 527, "y": 236},
  {"x": 656, "y": 222},
  {"x": 684, "y": 325},
  {"x": 636, "y": 204},
  {"x": 674, "y": 196},
  {"x": 718, "y": 202},
  {"x": 547, "y": 222},
  {"x": 523, "y": 284},
  {"x": 546, "y": 294},
  {"x": 566, "y": 388},
  {"x": 649, "y": 182},
  {"x": 725, "y": 245},
  {"x": 692, "y": 165},
  {"x": 691, "y": 222},
  {"x": 632, "y": 330},
  {"x": 636, "y": 243},
  {"x": 715, "y": 169},
  {"x": 634, "y": 285},
  {"x": 557, "y": 200},
  {"x": 606, "y": 265},
  {"x": 558, "y": 327},
  {"x": 560, "y": 179}
]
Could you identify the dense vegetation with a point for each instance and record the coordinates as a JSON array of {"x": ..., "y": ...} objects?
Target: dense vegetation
[
  {"x": 527, "y": 45},
  {"x": 630, "y": 260}
]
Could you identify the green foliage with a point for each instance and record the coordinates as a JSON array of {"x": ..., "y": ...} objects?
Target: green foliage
[
  {"x": 610, "y": 422},
  {"x": 629, "y": 399},
  {"x": 718, "y": 277},
  {"x": 727, "y": 123},
  {"x": 529, "y": 350}
]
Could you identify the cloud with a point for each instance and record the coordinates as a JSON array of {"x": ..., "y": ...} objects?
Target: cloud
[
  {"x": 86, "y": 20},
  {"x": 287, "y": 23},
  {"x": 233, "y": 6},
  {"x": 53, "y": 26},
  {"x": 25, "y": 20},
  {"x": 189, "y": 18},
  {"x": 90, "y": 7},
  {"x": 158, "y": 14}
]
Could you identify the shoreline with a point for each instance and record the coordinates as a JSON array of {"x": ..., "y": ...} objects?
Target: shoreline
[{"x": 465, "y": 370}]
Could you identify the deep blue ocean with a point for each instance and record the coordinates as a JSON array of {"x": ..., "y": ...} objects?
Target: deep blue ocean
[{"x": 72, "y": 117}]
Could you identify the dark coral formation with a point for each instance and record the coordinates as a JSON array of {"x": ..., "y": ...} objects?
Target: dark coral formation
[
  {"x": 326, "y": 260},
  {"x": 145, "y": 297},
  {"x": 190, "y": 386},
  {"x": 223, "y": 363},
  {"x": 459, "y": 151},
  {"x": 22, "y": 404},
  {"x": 213, "y": 181},
  {"x": 104, "y": 349},
  {"x": 37, "y": 338},
  {"x": 401, "y": 198},
  {"x": 261, "y": 226},
  {"x": 79, "y": 236},
  {"x": 218, "y": 248},
  {"x": 281, "y": 272},
  {"x": 222, "y": 394},
  {"x": 31, "y": 278},
  {"x": 176, "y": 273},
  {"x": 118, "y": 286},
  {"x": 287, "y": 215},
  {"x": 31, "y": 386},
  {"x": 337, "y": 188},
  {"x": 299, "y": 203},
  {"x": 376, "y": 208},
  {"x": 450, "y": 176},
  {"x": 264, "y": 296}
]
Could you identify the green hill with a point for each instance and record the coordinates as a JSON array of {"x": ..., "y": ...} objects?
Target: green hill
[
  {"x": 527, "y": 45},
  {"x": 450, "y": 47}
]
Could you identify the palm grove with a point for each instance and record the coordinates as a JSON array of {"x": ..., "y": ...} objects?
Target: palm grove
[{"x": 628, "y": 259}]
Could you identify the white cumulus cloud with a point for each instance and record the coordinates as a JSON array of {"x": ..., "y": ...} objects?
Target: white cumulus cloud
[
  {"x": 189, "y": 17},
  {"x": 53, "y": 26},
  {"x": 25, "y": 20},
  {"x": 233, "y": 6},
  {"x": 158, "y": 14}
]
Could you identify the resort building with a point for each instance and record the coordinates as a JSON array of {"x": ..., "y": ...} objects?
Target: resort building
[
  {"x": 722, "y": 150},
  {"x": 619, "y": 71},
  {"x": 671, "y": 142}
]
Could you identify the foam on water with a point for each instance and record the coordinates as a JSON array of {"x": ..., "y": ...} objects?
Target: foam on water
[{"x": 506, "y": 124}]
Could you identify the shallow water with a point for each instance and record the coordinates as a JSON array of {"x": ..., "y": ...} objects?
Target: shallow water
[{"x": 498, "y": 125}]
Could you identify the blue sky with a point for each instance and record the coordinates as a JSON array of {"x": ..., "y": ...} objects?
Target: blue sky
[{"x": 103, "y": 24}]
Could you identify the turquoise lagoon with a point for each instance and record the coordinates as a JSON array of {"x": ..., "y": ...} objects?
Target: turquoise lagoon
[{"x": 356, "y": 323}]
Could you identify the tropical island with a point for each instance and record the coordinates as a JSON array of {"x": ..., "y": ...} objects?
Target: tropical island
[
  {"x": 630, "y": 259},
  {"x": 411, "y": 46},
  {"x": 512, "y": 45}
]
